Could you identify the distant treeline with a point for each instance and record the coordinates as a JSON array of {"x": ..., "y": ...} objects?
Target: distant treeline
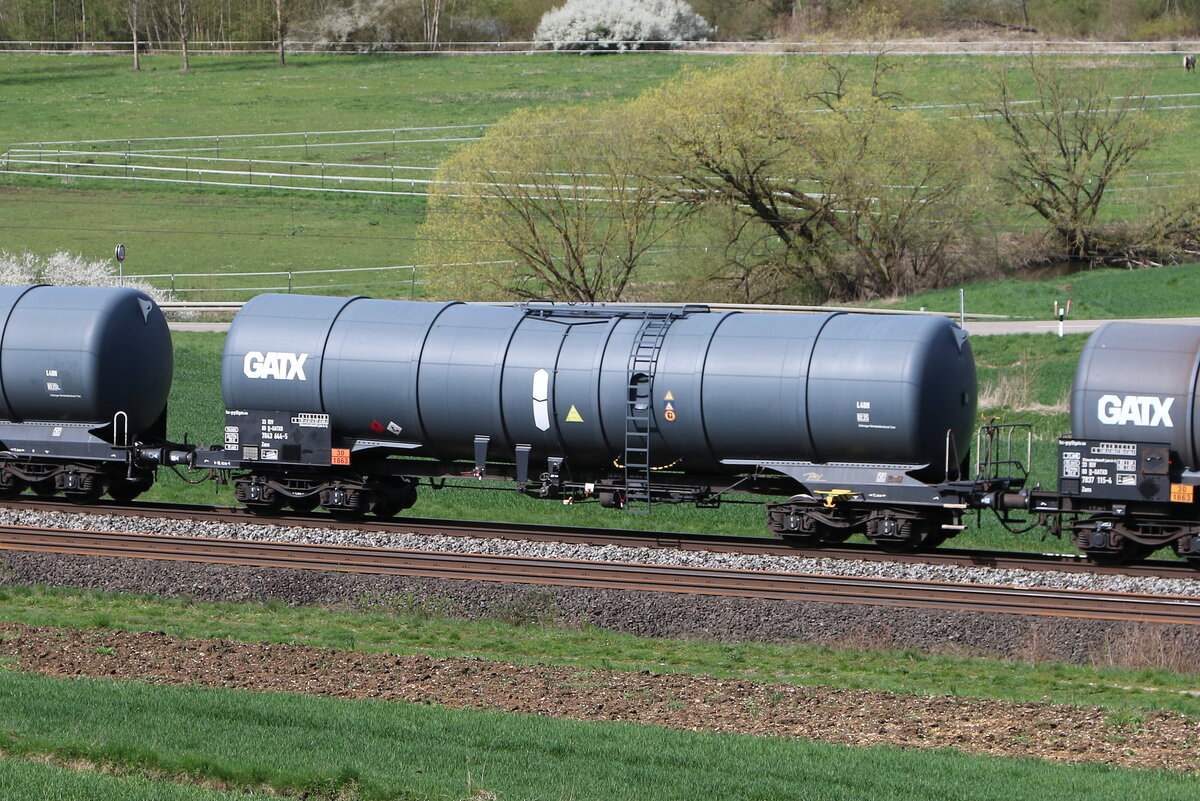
[{"x": 83, "y": 21}]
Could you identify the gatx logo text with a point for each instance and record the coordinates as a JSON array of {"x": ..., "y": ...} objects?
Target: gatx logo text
[
  {"x": 1138, "y": 410},
  {"x": 275, "y": 364}
]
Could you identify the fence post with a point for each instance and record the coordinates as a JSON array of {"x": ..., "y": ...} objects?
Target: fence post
[
  {"x": 250, "y": 171},
  {"x": 289, "y": 282}
]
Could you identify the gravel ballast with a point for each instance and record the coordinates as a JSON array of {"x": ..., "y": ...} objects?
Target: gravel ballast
[{"x": 642, "y": 613}]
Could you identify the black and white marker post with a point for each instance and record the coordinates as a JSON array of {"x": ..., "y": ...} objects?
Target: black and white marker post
[{"x": 1061, "y": 311}]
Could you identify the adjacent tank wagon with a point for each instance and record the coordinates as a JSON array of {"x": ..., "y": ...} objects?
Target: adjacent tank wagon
[
  {"x": 1127, "y": 475},
  {"x": 84, "y": 378}
]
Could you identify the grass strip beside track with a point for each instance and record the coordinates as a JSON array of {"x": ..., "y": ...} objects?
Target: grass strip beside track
[{"x": 377, "y": 750}]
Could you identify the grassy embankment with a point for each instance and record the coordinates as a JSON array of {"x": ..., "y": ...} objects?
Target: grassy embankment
[
  {"x": 1169, "y": 291},
  {"x": 171, "y": 228}
]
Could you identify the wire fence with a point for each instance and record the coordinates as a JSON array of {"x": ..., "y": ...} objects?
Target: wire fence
[
  {"x": 400, "y": 279},
  {"x": 990, "y": 47}
]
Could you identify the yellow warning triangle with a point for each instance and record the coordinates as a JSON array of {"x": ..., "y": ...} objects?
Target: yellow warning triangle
[
  {"x": 573, "y": 415},
  {"x": 669, "y": 396}
]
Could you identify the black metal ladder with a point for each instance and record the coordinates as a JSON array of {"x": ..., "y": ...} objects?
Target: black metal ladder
[{"x": 639, "y": 415}]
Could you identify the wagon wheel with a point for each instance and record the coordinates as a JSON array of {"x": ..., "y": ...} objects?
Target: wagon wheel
[
  {"x": 272, "y": 506},
  {"x": 914, "y": 534},
  {"x": 12, "y": 485},
  {"x": 124, "y": 490}
]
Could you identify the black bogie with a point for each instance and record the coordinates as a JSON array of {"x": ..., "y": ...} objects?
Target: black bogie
[{"x": 344, "y": 495}]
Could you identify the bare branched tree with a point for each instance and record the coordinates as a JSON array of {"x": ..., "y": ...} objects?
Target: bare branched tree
[
  {"x": 1068, "y": 144},
  {"x": 431, "y": 20},
  {"x": 181, "y": 21},
  {"x": 281, "y": 28}
]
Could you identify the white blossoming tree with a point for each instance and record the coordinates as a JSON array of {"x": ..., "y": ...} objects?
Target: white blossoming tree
[
  {"x": 620, "y": 25},
  {"x": 67, "y": 269}
]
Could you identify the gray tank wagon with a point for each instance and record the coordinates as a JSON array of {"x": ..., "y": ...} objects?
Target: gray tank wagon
[
  {"x": 1136, "y": 382},
  {"x": 1127, "y": 474},
  {"x": 84, "y": 377},
  {"x": 631, "y": 405}
]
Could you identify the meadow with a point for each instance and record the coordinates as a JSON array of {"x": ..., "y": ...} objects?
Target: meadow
[
  {"x": 148, "y": 740},
  {"x": 241, "y": 745},
  {"x": 322, "y": 748},
  {"x": 407, "y": 113}
]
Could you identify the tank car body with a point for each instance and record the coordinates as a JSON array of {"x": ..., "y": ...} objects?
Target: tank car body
[
  {"x": 1127, "y": 475},
  {"x": 84, "y": 377},
  {"x": 332, "y": 400}
]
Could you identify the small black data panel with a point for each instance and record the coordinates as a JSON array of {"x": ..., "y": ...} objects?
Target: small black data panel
[
  {"x": 255, "y": 435},
  {"x": 1133, "y": 471}
]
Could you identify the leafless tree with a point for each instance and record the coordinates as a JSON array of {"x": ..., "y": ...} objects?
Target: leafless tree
[
  {"x": 132, "y": 9},
  {"x": 181, "y": 21},
  {"x": 431, "y": 20},
  {"x": 1068, "y": 144},
  {"x": 281, "y": 26}
]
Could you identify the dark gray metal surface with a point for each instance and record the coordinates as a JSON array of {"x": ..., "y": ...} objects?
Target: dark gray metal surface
[
  {"x": 1137, "y": 383},
  {"x": 83, "y": 354},
  {"x": 726, "y": 385}
]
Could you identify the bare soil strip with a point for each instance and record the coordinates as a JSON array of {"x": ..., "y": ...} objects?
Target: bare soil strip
[{"x": 1159, "y": 739}]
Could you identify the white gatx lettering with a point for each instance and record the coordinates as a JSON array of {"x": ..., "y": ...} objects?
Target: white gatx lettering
[
  {"x": 273, "y": 364},
  {"x": 1138, "y": 410}
]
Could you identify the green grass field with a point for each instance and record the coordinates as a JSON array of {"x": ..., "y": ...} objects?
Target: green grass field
[
  {"x": 179, "y": 229},
  {"x": 327, "y": 748},
  {"x": 1168, "y": 291}
]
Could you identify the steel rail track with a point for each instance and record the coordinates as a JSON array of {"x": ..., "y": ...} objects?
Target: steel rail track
[
  {"x": 767, "y": 546},
  {"x": 614, "y": 575}
]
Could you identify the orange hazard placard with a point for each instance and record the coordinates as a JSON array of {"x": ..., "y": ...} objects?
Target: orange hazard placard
[
  {"x": 1182, "y": 493},
  {"x": 339, "y": 456}
]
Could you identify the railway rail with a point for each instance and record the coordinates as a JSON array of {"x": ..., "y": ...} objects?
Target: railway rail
[
  {"x": 613, "y": 575},
  {"x": 766, "y": 546}
]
